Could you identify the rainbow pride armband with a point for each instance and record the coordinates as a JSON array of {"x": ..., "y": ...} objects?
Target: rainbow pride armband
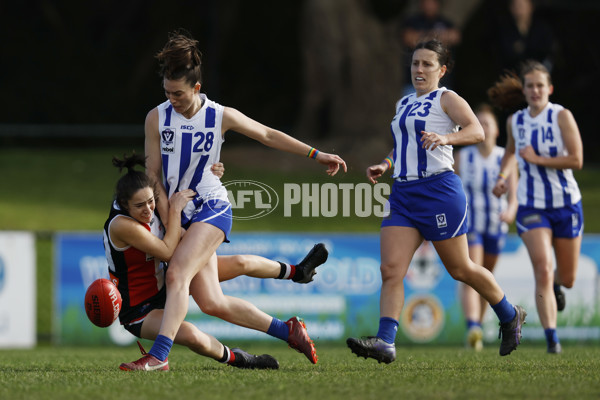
[
  {"x": 312, "y": 153},
  {"x": 390, "y": 163},
  {"x": 502, "y": 175}
]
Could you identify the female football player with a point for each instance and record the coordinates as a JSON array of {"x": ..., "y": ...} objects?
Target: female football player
[
  {"x": 137, "y": 248},
  {"x": 184, "y": 136},
  {"x": 546, "y": 142},
  {"x": 487, "y": 217},
  {"x": 428, "y": 202}
]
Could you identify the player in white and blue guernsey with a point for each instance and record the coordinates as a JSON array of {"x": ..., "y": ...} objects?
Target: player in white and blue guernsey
[
  {"x": 546, "y": 142},
  {"x": 487, "y": 215},
  {"x": 428, "y": 202},
  {"x": 184, "y": 136},
  {"x": 188, "y": 149}
]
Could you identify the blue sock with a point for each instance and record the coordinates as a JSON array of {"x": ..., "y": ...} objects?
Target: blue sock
[
  {"x": 279, "y": 329},
  {"x": 504, "y": 310},
  {"x": 161, "y": 347},
  {"x": 551, "y": 336},
  {"x": 471, "y": 324},
  {"x": 388, "y": 327}
]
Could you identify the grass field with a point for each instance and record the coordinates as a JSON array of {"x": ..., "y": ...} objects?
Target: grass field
[{"x": 418, "y": 373}]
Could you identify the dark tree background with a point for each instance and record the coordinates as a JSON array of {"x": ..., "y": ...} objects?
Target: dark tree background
[{"x": 327, "y": 70}]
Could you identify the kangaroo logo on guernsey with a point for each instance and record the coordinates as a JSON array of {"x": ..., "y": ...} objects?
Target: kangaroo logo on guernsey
[{"x": 167, "y": 141}]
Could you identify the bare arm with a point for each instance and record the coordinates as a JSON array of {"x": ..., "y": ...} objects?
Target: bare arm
[
  {"x": 128, "y": 232},
  {"x": 572, "y": 141},
  {"x": 512, "y": 179},
  {"x": 154, "y": 162},
  {"x": 508, "y": 164},
  {"x": 238, "y": 122},
  {"x": 377, "y": 170},
  {"x": 460, "y": 112}
]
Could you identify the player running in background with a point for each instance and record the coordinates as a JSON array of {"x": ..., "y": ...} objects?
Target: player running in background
[
  {"x": 487, "y": 215},
  {"x": 137, "y": 248},
  {"x": 184, "y": 136},
  {"x": 428, "y": 202},
  {"x": 546, "y": 142}
]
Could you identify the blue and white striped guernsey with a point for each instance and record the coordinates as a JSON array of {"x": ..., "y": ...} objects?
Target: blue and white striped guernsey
[
  {"x": 478, "y": 175},
  {"x": 541, "y": 187},
  {"x": 188, "y": 148},
  {"x": 413, "y": 115}
]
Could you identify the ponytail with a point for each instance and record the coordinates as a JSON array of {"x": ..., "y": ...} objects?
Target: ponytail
[
  {"x": 180, "y": 58},
  {"x": 132, "y": 181},
  {"x": 507, "y": 93}
]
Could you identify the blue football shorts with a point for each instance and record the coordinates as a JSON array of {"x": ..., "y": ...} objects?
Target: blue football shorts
[
  {"x": 565, "y": 222},
  {"x": 214, "y": 212},
  {"x": 491, "y": 243},
  {"x": 436, "y": 206}
]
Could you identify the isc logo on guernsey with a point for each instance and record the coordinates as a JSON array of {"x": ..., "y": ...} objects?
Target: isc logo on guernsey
[{"x": 252, "y": 199}]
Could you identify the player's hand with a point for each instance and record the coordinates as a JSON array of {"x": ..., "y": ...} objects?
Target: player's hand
[
  {"x": 218, "y": 169},
  {"x": 180, "y": 199},
  {"x": 432, "y": 140},
  {"x": 374, "y": 172},
  {"x": 501, "y": 187},
  {"x": 508, "y": 215},
  {"x": 333, "y": 162},
  {"x": 528, "y": 154}
]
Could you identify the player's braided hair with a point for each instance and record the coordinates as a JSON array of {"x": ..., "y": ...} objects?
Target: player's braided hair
[
  {"x": 180, "y": 58},
  {"x": 133, "y": 180}
]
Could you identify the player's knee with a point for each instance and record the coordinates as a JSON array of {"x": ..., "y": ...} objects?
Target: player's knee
[
  {"x": 172, "y": 279},
  {"x": 459, "y": 274},
  {"x": 176, "y": 279},
  {"x": 390, "y": 272},
  {"x": 567, "y": 281},
  {"x": 241, "y": 263},
  {"x": 544, "y": 276},
  {"x": 213, "y": 308}
]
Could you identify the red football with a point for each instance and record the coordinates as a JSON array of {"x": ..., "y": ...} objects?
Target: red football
[{"x": 102, "y": 302}]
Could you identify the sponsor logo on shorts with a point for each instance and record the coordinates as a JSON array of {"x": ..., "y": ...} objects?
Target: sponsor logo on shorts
[
  {"x": 575, "y": 220},
  {"x": 532, "y": 219},
  {"x": 441, "y": 221}
]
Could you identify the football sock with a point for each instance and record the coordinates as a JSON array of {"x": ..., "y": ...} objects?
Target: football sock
[
  {"x": 388, "y": 327},
  {"x": 287, "y": 271},
  {"x": 471, "y": 324},
  {"x": 279, "y": 329},
  {"x": 551, "y": 336},
  {"x": 504, "y": 310},
  {"x": 228, "y": 355},
  {"x": 556, "y": 287},
  {"x": 161, "y": 347}
]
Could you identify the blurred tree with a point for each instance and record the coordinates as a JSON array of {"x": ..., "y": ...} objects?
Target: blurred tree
[{"x": 352, "y": 74}]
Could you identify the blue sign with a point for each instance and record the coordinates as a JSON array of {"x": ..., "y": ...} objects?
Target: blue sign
[{"x": 343, "y": 299}]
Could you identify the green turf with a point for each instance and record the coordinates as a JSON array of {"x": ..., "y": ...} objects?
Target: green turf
[{"x": 419, "y": 373}]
